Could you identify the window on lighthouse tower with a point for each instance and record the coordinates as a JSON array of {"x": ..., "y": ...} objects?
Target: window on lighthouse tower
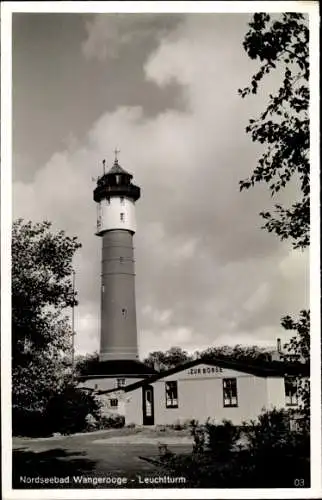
[{"x": 122, "y": 216}]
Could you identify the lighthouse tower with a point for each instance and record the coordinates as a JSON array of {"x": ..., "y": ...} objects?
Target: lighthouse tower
[{"x": 115, "y": 195}]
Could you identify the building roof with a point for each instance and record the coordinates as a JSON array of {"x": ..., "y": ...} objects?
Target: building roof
[
  {"x": 269, "y": 369},
  {"x": 262, "y": 369},
  {"x": 117, "y": 169},
  {"x": 117, "y": 368}
]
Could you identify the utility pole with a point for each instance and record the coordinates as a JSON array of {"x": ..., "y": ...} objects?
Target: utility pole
[{"x": 73, "y": 326}]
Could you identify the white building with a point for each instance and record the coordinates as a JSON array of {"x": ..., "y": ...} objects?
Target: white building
[{"x": 219, "y": 389}]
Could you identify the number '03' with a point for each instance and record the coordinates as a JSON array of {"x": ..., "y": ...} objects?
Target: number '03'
[{"x": 298, "y": 482}]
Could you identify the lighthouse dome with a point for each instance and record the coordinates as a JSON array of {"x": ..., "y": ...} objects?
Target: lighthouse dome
[
  {"x": 117, "y": 169},
  {"x": 116, "y": 182}
]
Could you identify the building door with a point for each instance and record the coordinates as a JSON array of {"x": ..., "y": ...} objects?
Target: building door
[{"x": 148, "y": 405}]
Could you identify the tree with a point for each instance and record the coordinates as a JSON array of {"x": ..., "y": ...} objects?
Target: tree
[
  {"x": 174, "y": 356},
  {"x": 86, "y": 364},
  {"x": 156, "y": 360},
  {"x": 41, "y": 291},
  {"x": 282, "y": 45},
  {"x": 299, "y": 346},
  {"x": 238, "y": 352}
]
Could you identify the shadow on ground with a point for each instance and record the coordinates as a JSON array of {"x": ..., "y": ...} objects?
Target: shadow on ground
[
  {"x": 60, "y": 469},
  {"x": 32, "y": 469}
]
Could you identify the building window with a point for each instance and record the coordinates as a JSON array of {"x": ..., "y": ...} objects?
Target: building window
[
  {"x": 148, "y": 402},
  {"x": 114, "y": 403},
  {"x": 171, "y": 394},
  {"x": 291, "y": 391},
  {"x": 120, "y": 382},
  {"x": 122, "y": 200},
  {"x": 230, "y": 392},
  {"x": 122, "y": 218}
]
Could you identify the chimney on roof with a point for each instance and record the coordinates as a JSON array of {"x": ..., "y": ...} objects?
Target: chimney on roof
[{"x": 279, "y": 346}]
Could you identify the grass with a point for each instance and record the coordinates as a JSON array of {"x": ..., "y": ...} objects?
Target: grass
[{"x": 152, "y": 432}]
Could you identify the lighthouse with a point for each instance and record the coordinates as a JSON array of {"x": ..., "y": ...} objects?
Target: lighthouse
[{"x": 115, "y": 195}]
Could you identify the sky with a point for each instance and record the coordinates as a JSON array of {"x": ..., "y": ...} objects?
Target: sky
[{"x": 163, "y": 88}]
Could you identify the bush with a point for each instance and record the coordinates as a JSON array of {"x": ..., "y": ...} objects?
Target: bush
[
  {"x": 217, "y": 439},
  {"x": 217, "y": 462},
  {"x": 179, "y": 426},
  {"x": 198, "y": 433},
  {"x": 112, "y": 421},
  {"x": 70, "y": 410},
  {"x": 272, "y": 434},
  {"x": 67, "y": 411},
  {"x": 272, "y": 439},
  {"x": 221, "y": 438}
]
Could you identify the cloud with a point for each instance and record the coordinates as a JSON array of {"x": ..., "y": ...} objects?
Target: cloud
[
  {"x": 206, "y": 273},
  {"x": 107, "y": 34}
]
